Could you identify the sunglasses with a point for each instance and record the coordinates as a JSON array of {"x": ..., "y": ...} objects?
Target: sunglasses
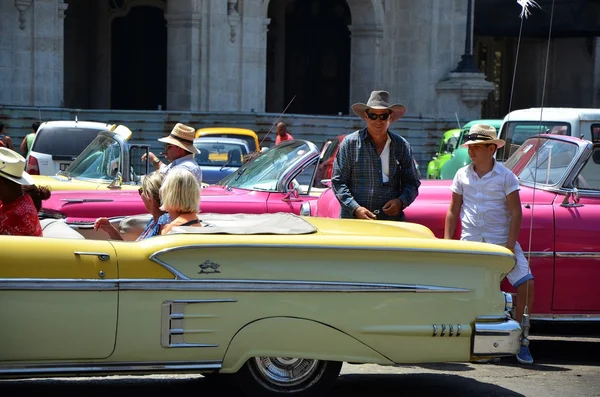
[
  {"x": 477, "y": 137},
  {"x": 374, "y": 116},
  {"x": 168, "y": 146},
  {"x": 141, "y": 191}
]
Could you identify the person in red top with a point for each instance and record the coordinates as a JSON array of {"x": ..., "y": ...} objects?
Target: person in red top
[
  {"x": 18, "y": 213},
  {"x": 282, "y": 133}
]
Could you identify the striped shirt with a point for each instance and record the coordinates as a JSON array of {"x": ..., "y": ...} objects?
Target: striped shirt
[{"x": 357, "y": 175}]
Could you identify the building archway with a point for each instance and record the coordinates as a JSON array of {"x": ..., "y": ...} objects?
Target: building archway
[
  {"x": 139, "y": 59},
  {"x": 309, "y": 47}
]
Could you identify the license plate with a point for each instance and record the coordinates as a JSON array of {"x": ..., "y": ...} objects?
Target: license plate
[{"x": 64, "y": 166}]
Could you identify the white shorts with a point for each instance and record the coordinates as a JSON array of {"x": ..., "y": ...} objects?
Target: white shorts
[{"x": 521, "y": 272}]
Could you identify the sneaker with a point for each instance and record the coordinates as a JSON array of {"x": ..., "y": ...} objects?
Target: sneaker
[{"x": 524, "y": 356}]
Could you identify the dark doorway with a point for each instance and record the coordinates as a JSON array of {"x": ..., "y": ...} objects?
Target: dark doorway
[
  {"x": 317, "y": 57},
  {"x": 139, "y": 60}
]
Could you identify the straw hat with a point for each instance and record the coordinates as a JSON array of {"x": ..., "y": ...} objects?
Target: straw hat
[
  {"x": 12, "y": 166},
  {"x": 481, "y": 133},
  {"x": 183, "y": 137},
  {"x": 379, "y": 100}
]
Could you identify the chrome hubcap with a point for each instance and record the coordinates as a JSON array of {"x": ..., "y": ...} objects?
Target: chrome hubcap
[{"x": 285, "y": 371}]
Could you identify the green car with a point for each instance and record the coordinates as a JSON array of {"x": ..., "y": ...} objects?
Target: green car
[
  {"x": 460, "y": 156},
  {"x": 444, "y": 153}
]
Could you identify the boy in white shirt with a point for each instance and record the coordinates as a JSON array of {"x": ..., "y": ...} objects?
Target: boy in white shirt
[{"x": 485, "y": 196}]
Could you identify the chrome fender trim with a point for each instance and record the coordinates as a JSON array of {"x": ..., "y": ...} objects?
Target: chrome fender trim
[{"x": 496, "y": 338}]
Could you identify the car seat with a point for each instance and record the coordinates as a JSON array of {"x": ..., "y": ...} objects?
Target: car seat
[{"x": 234, "y": 157}]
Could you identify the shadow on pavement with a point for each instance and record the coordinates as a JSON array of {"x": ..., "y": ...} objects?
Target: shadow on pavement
[{"x": 415, "y": 385}]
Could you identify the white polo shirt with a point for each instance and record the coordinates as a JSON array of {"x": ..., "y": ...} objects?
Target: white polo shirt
[{"x": 484, "y": 214}]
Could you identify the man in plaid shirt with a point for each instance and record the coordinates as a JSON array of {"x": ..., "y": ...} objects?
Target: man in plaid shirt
[{"x": 374, "y": 173}]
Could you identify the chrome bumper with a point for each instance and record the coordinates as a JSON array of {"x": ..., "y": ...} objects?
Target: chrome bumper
[{"x": 496, "y": 336}]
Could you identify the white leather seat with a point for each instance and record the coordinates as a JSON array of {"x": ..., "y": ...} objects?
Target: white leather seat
[{"x": 55, "y": 228}]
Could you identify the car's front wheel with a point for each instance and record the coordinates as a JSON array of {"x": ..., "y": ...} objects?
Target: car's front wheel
[{"x": 287, "y": 376}]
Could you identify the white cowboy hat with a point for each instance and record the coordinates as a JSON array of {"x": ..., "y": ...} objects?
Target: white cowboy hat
[
  {"x": 183, "y": 137},
  {"x": 379, "y": 100},
  {"x": 12, "y": 166},
  {"x": 481, "y": 133}
]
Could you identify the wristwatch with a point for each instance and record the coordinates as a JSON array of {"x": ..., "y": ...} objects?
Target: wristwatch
[{"x": 156, "y": 160}]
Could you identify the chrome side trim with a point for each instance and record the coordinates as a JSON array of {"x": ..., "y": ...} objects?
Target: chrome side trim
[
  {"x": 172, "y": 323},
  {"x": 539, "y": 254},
  {"x": 105, "y": 367},
  {"x": 154, "y": 256},
  {"x": 218, "y": 285},
  {"x": 56, "y": 284},
  {"x": 595, "y": 255},
  {"x": 280, "y": 286},
  {"x": 566, "y": 317},
  {"x": 493, "y": 317}
]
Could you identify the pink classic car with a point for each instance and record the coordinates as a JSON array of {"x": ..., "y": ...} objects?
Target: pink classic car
[
  {"x": 560, "y": 234},
  {"x": 278, "y": 180}
]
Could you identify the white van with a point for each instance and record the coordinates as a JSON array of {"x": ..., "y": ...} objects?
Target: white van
[
  {"x": 521, "y": 124},
  {"x": 58, "y": 143}
]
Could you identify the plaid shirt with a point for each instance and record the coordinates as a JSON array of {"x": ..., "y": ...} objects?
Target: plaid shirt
[{"x": 357, "y": 180}]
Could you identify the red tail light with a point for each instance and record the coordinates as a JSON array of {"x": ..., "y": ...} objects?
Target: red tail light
[{"x": 33, "y": 168}]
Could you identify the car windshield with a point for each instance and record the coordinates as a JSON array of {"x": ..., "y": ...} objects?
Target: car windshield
[
  {"x": 542, "y": 161},
  {"x": 64, "y": 141},
  {"x": 264, "y": 172},
  {"x": 217, "y": 153},
  {"x": 100, "y": 160},
  {"x": 515, "y": 133}
]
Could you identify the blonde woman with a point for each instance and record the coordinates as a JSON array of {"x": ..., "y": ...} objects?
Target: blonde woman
[
  {"x": 180, "y": 196},
  {"x": 150, "y": 193}
]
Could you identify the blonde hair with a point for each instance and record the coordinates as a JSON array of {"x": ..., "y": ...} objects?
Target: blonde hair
[
  {"x": 180, "y": 192},
  {"x": 151, "y": 185}
]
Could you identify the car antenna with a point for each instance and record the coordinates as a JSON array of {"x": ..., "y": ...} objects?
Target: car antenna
[
  {"x": 276, "y": 121},
  {"x": 457, "y": 121}
]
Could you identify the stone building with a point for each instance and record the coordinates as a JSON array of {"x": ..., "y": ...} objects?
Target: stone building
[{"x": 217, "y": 61}]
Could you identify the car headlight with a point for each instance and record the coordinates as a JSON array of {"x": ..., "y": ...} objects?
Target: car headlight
[{"x": 305, "y": 209}]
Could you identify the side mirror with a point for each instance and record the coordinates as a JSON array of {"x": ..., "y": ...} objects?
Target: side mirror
[
  {"x": 574, "y": 195},
  {"x": 293, "y": 192}
]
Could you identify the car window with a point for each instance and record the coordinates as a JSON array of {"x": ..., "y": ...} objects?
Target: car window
[
  {"x": 247, "y": 138},
  {"x": 331, "y": 149},
  {"x": 100, "y": 160},
  {"x": 589, "y": 177},
  {"x": 515, "y": 133},
  {"x": 264, "y": 172},
  {"x": 219, "y": 153},
  {"x": 64, "y": 141},
  {"x": 595, "y": 133},
  {"x": 542, "y": 161}
]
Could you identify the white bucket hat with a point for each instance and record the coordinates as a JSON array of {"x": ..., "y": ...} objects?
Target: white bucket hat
[
  {"x": 12, "y": 167},
  {"x": 183, "y": 137}
]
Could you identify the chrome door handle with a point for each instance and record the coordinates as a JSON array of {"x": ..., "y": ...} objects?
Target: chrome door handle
[{"x": 101, "y": 255}]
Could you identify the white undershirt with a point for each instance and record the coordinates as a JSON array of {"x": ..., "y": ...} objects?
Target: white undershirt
[{"x": 385, "y": 161}]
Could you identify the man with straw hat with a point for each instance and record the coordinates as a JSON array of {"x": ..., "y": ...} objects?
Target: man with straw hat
[
  {"x": 485, "y": 196},
  {"x": 179, "y": 150},
  {"x": 374, "y": 173}
]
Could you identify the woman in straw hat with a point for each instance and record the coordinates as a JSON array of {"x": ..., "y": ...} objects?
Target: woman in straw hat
[
  {"x": 485, "y": 197},
  {"x": 18, "y": 212},
  {"x": 374, "y": 174},
  {"x": 179, "y": 150}
]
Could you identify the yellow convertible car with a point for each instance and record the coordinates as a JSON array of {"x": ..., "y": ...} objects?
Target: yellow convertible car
[{"x": 274, "y": 302}]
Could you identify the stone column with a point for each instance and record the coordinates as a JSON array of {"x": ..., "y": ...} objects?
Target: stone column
[
  {"x": 366, "y": 64},
  {"x": 596, "y": 77},
  {"x": 184, "y": 83},
  {"x": 465, "y": 88},
  {"x": 33, "y": 35}
]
